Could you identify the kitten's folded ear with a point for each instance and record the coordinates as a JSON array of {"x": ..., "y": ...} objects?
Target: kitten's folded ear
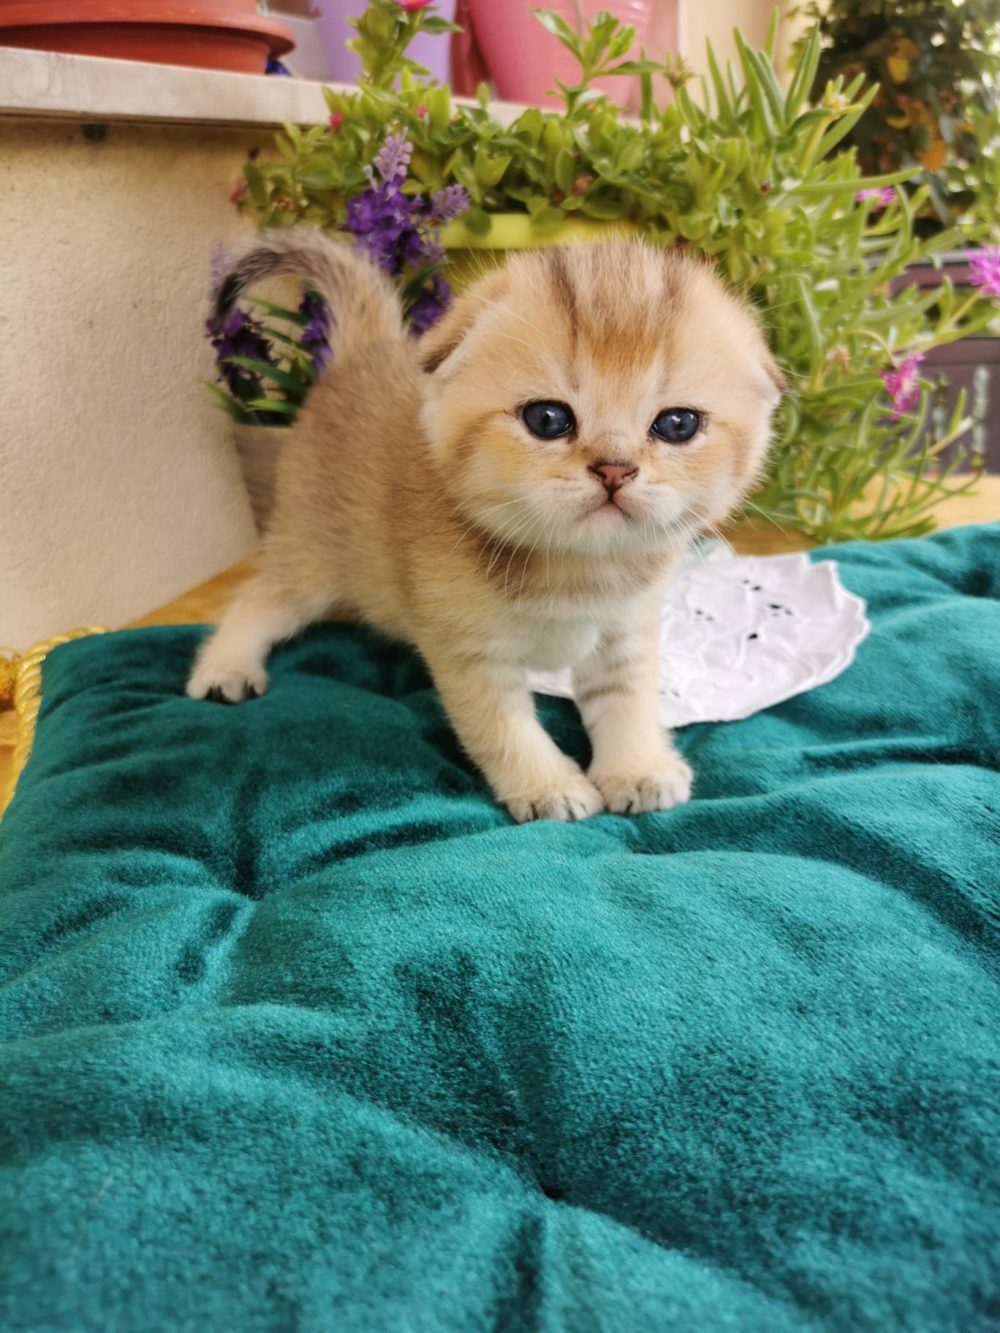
[
  {"x": 444, "y": 337},
  {"x": 440, "y": 342}
]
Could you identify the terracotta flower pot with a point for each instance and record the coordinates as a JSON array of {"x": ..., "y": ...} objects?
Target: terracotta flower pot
[
  {"x": 524, "y": 60},
  {"x": 209, "y": 34}
]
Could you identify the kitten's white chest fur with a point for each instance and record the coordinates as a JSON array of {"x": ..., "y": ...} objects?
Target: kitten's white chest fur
[{"x": 551, "y": 645}]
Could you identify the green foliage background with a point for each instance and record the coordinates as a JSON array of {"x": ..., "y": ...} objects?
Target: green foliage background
[{"x": 937, "y": 64}]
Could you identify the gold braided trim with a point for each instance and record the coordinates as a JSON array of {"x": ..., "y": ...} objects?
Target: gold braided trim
[{"x": 28, "y": 700}]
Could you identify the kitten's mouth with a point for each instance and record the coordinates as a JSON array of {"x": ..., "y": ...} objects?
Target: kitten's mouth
[{"x": 610, "y": 507}]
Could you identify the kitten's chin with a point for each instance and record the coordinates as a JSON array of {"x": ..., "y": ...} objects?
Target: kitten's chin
[
  {"x": 605, "y": 535},
  {"x": 581, "y": 527},
  {"x": 628, "y": 524}
]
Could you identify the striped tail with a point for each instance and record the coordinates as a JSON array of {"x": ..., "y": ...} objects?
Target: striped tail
[{"x": 363, "y": 302}]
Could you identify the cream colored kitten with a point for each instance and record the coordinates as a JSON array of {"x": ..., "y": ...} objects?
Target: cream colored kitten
[{"x": 512, "y": 491}]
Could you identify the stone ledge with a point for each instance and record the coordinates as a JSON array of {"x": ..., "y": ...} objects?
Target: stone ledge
[{"x": 47, "y": 85}]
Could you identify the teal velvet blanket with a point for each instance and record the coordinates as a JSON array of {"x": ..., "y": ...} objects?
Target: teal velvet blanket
[{"x": 298, "y": 1031}]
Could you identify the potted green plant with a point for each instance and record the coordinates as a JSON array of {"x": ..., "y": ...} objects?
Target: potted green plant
[
  {"x": 753, "y": 177},
  {"x": 937, "y": 69},
  {"x": 524, "y": 64},
  {"x": 213, "y": 34}
]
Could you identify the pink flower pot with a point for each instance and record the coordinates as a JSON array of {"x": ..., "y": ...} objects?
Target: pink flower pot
[
  {"x": 524, "y": 60},
  {"x": 344, "y": 66}
]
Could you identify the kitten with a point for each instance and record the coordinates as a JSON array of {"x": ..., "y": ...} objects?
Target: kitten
[{"x": 511, "y": 491}]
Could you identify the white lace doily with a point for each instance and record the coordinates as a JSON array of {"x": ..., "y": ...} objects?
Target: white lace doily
[{"x": 740, "y": 633}]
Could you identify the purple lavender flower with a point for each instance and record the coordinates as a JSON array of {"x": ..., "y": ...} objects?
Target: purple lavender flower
[
  {"x": 431, "y": 304},
  {"x": 397, "y": 231},
  {"x": 383, "y": 223},
  {"x": 379, "y": 220},
  {"x": 903, "y": 384},
  {"x": 393, "y": 160},
  {"x": 881, "y": 196},
  {"x": 238, "y": 334},
  {"x": 984, "y": 270},
  {"x": 447, "y": 204},
  {"x": 418, "y": 250},
  {"x": 315, "y": 333}
]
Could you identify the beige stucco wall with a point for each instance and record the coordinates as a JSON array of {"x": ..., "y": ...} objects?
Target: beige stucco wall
[
  {"x": 714, "y": 20},
  {"x": 118, "y": 486}
]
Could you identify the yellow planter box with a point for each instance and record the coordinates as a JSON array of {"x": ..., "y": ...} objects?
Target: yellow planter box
[{"x": 469, "y": 254}]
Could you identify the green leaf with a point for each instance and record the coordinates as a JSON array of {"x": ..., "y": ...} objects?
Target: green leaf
[
  {"x": 823, "y": 188},
  {"x": 222, "y": 399},
  {"x": 692, "y": 225},
  {"x": 489, "y": 171},
  {"x": 547, "y": 219},
  {"x": 804, "y": 76},
  {"x": 558, "y": 27},
  {"x": 438, "y": 101},
  {"x": 565, "y": 170},
  {"x": 693, "y": 116},
  {"x": 256, "y": 184},
  {"x": 842, "y": 128},
  {"x": 771, "y": 43},
  {"x": 434, "y": 23},
  {"x": 647, "y": 104},
  {"x": 529, "y": 124},
  {"x": 603, "y": 205},
  {"x": 636, "y": 67},
  {"x": 722, "y": 99},
  {"x": 293, "y": 383},
  {"x": 477, "y": 221},
  {"x": 555, "y": 134},
  {"x": 319, "y": 180},
  {"x": 283, "y": 408},
  {"x": 756, "y": 65},
  {"x": 279, "y": 311}
]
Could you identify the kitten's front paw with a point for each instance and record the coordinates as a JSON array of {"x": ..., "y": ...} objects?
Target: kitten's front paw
[
  {"x": 659, "y": 787},
  {"x": 573, "y": 797},
  {"x": 226, "y": 683}
]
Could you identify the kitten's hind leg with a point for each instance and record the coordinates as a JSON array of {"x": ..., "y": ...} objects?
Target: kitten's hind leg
[{"x": 230, "y": 666}]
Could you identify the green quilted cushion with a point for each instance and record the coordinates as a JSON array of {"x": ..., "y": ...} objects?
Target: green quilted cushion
[{"x": 298, "y": 1031}]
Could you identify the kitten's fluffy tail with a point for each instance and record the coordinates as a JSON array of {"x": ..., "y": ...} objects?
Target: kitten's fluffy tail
[{"x": 362, "y": 300}]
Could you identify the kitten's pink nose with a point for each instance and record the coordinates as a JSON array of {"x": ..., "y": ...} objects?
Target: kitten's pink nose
[{"x": 614, "y": 475}]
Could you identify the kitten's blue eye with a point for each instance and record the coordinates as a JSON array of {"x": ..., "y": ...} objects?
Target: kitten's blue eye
[
  {"x": 548, "y": 421},
  {"x": 676, "y": 425}
]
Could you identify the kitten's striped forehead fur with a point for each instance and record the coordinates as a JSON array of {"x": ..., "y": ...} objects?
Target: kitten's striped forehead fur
[{"x": 619, "y": 332}]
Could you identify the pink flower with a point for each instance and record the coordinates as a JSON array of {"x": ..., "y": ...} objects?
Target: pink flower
[
  {"x": 337, "y": 119},
  {"x": 984, "y": 270},
  {"x": 882, "y": 196},
  {"x": 413, "y": 4},
  {"x": 237, "y": 192},
  {"x": 903, "y": 384},
  {"x": 421, "y": 111}
]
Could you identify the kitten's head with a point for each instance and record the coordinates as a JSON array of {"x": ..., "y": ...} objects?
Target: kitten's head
[{"x": 598, "y": 398}]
